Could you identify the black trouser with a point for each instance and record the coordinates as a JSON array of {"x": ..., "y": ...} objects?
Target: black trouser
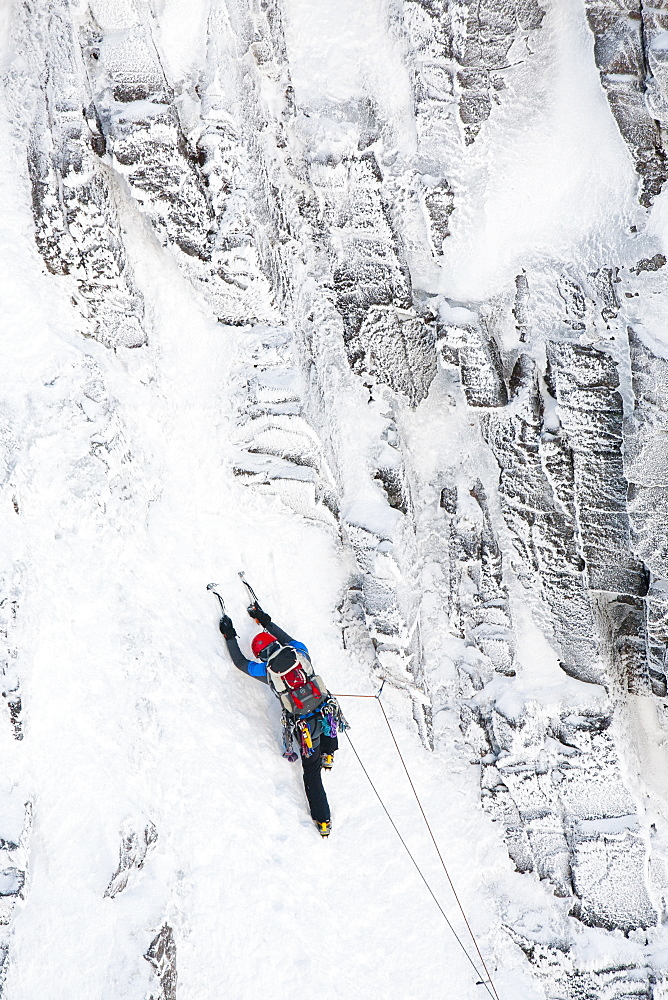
[{"x": 315, "y": 792}]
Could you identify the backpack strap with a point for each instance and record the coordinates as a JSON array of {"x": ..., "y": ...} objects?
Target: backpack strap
[
  {"x": 302, "y": 694},
  {"x": 299, "y": 662}
]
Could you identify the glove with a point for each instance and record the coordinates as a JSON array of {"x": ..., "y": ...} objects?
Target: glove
[
  {"x": 258, "y": 615},
  {"x": 226, "y": 627}
]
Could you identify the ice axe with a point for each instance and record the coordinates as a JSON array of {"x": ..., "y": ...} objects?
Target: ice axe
[
  {"x": 212, "y": 588},
  {"x": 251, "y": 592},
  {"x": 254, "y": 603}
]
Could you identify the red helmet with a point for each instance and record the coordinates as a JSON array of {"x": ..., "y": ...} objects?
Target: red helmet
[{"x": 261, "y": 641}]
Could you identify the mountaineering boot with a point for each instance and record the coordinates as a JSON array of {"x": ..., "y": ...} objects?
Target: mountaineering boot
[
  {"x": 327, "y": 761},
  {"x": 325, "y": 828}
]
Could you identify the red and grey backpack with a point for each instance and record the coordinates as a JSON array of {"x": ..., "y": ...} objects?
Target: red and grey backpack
[{"x": 291, "y": 675}]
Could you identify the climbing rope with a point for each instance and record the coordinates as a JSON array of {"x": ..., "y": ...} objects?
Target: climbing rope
[{"x": 487, "y": 983}]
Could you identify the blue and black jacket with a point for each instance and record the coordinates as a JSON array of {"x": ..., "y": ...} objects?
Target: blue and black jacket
[{"x": 254, "y": 668}]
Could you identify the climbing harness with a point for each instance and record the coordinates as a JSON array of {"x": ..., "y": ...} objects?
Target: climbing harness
[{"x": 482, "y": 981}]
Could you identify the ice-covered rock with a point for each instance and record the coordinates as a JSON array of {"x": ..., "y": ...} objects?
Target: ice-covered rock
[
  {"x": 77, "y": 226},
  {"x": 459, "y": 53},
  {"x": 626, "y": 52},
  {"x": 584, "y": 381},
  {"x": 162, "y": 956},
  {"x": 133, "y": 850}
]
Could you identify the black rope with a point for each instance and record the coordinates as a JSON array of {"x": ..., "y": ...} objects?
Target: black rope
[
  {"x": 482, "y": 982},
  {"x": 376, "y": 697},
  {"x": 440, "y": 856}
]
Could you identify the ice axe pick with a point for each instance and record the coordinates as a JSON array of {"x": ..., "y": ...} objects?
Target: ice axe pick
[{"x": 212, "y": 588}]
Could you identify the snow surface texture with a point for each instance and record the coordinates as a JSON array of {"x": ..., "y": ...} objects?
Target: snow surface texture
[{"x": 369, "y": 300}]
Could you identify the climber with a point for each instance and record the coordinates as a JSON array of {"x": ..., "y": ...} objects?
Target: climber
[{"x": 311, "y": 716}]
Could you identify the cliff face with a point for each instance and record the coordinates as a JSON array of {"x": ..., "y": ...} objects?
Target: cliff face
[
  {"x": 487, "y": 453},
  {"x": 630, "y": 55}
]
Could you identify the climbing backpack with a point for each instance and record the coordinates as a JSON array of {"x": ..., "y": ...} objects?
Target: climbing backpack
[{"x": 291, "y": 675}]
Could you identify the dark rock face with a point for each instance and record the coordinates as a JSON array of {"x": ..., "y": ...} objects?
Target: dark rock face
[
  {"x": 477, "y": 597},
  {"x": 590, "y": 850},
  {"x": 584, "y": 382},
  {"x": 586, "y": 536},
  {"x": 537, "y": 493},
  {"x": 564, "y": 497},
  {"x": 14, "y": 854},
  {"x": 646, "y": 460},
  {"x": 460, "y": 53},
  {"x": 11, "y": 681},
  {"x": 400, "y": 351},
  {"x": 162, "y": 956},
  {"x": 76, "y": 224},
  {"x": 625, "y": 59},
  {"x": 179, "y": 187},
  {"x": 649, "y": 264},
  {"x": 114, "y": 102},
  {"x": 646, "y": 466},
  {"x": 367, "y": 270},
  {"x": 134, "y": 847},
  {"x": 384, "y": 338},
  {"x": 482, "y": 51},
  {"x": 278, "y": 451},
  {"x": 476, "y": 352}
]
